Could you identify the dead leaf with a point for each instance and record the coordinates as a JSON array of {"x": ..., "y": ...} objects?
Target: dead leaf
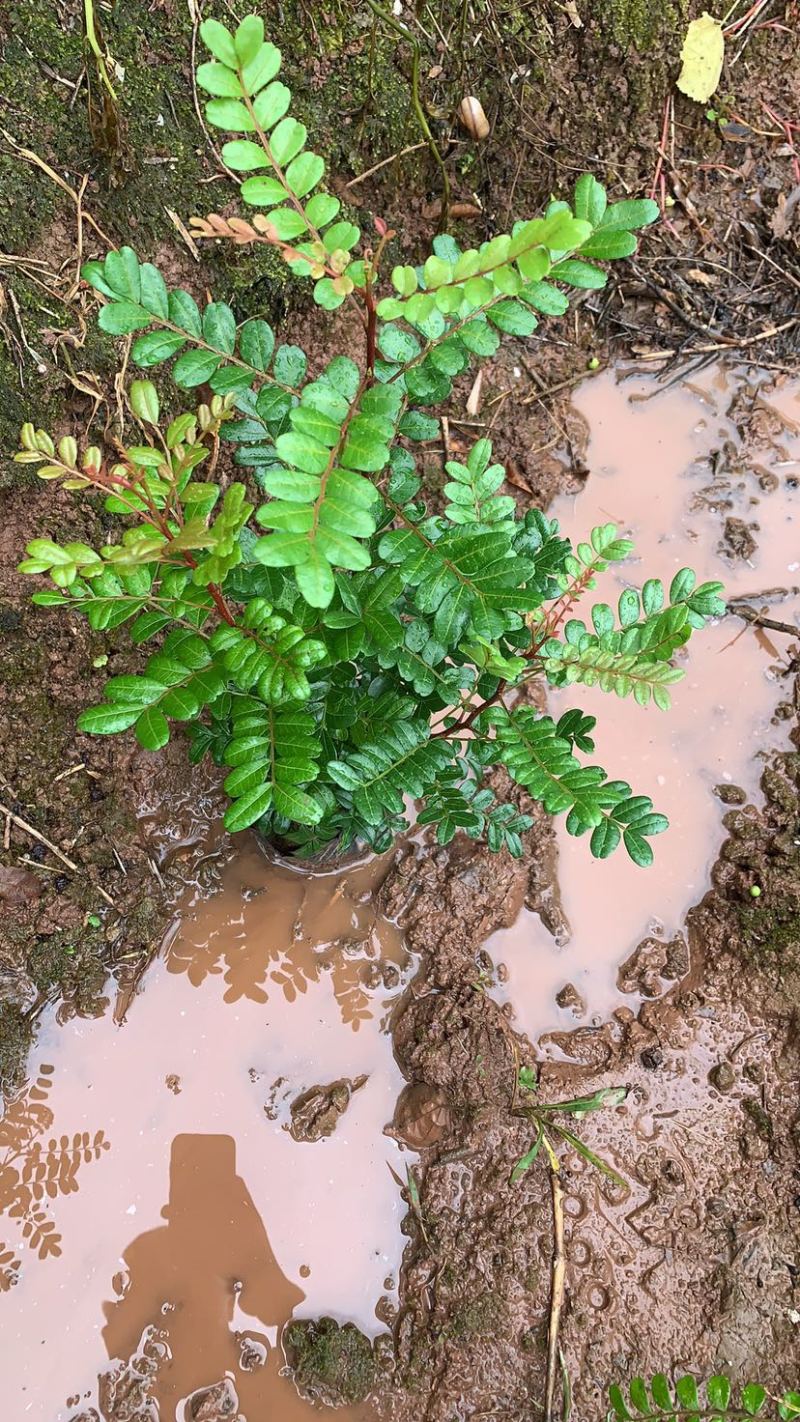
[
  {"x": 702, "y": 278},
  {"x": 782, "y": 219},
  {"x": 515, "y": 477},
  {"x": 18, "y": 886},
  {"x": 702, "y": 55},
  {"x": 574, "y": 18},
  {"x": 474, "y": 401}
]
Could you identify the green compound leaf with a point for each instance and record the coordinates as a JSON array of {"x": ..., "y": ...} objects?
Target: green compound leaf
[
  {"x": 273, "y": 754},
  {"x": 322, "y": 506},
  {"x": 220, "y": 354},
  {"x": 720, "y": 1401},
  {"x": 529, "y": 746},
  {"x": 249, "y": 99}
]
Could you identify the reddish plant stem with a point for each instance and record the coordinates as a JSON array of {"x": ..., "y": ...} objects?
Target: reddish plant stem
[
  {"x": 551, "y": 625},
  {"x": 373, "y": 264},
  {"x": 216, "y": 595},
  {"x": 156, "y": 521},
  {"x": 372, "y": 327}
]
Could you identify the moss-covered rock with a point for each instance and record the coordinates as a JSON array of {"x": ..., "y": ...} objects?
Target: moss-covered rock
[
  {"x": 478, "y": 1317},
  {"x": 334, "y": 1363}
]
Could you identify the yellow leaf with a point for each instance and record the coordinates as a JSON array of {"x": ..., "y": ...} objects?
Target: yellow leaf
[{"x": 702, "y": 54}]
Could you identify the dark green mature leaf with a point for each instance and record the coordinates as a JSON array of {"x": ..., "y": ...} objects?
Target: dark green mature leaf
[
  {"x": 220, "y": 354},
  {"x": 272, "y": 753},
  {"x": 377, "y": 777},
  {"x": 543, "y": 762}
]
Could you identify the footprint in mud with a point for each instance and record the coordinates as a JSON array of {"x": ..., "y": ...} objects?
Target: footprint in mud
[{"x": 188, "y": 1282}]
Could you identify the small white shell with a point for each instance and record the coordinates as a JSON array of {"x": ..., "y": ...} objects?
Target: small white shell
[{"x": 474, "y": 120}]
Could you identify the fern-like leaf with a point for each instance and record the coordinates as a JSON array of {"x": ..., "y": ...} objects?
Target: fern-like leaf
[
  {"x": 178, "y": 680},
  {"x": 544, "y": 763},
  {"x": 272, "y": 755},
  {"x": 405, "y": 762},
  {"x": 322, "y": 506},
  {"x": 209, "y": 346},
  {"x": 249, "y": 99},
  {"x": 658, "y": 1401}
]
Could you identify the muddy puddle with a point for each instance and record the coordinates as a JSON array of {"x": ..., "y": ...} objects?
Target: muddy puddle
[
  {"x": 671, "y": 468},
  {"x": 173, "y": 1188}
]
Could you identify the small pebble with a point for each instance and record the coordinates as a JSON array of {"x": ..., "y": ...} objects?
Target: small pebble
[
  {"x": 722, "y": 1076},
  {"x": 651, "y": 1058}
]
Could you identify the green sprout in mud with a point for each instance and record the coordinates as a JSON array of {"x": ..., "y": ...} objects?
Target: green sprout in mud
[
  {"x": 338, "y": 638},
  {"x": 549, "y": 1131}
]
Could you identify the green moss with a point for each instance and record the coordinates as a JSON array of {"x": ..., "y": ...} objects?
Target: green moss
[
  {"x": 74, "y": 964},
  {"x": 419, "y": 1365},
  {"x": 331, "y": 1362},
  {"x": 760, "y": 1118},
  {"x": 644, "y": 24},
  {"x": 477, "y": 1318},
  {"x": 16, "y": 1033}
]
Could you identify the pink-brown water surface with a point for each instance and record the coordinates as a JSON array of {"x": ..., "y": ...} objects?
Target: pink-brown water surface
[{"x": 669, "y": 468}]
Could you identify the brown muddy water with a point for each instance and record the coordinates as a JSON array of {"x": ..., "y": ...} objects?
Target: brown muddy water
[
  {"x": 676, "y": 475},
  {"x": 162, "y": 1214},
  {"x": 163, "y": 1210}
]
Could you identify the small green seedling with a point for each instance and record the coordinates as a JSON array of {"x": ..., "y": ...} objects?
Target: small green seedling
[{"x": 549, "y": 1131}]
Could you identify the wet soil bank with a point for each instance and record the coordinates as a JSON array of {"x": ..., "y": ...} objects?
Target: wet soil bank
[{"x": 693, "y": 1265}]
